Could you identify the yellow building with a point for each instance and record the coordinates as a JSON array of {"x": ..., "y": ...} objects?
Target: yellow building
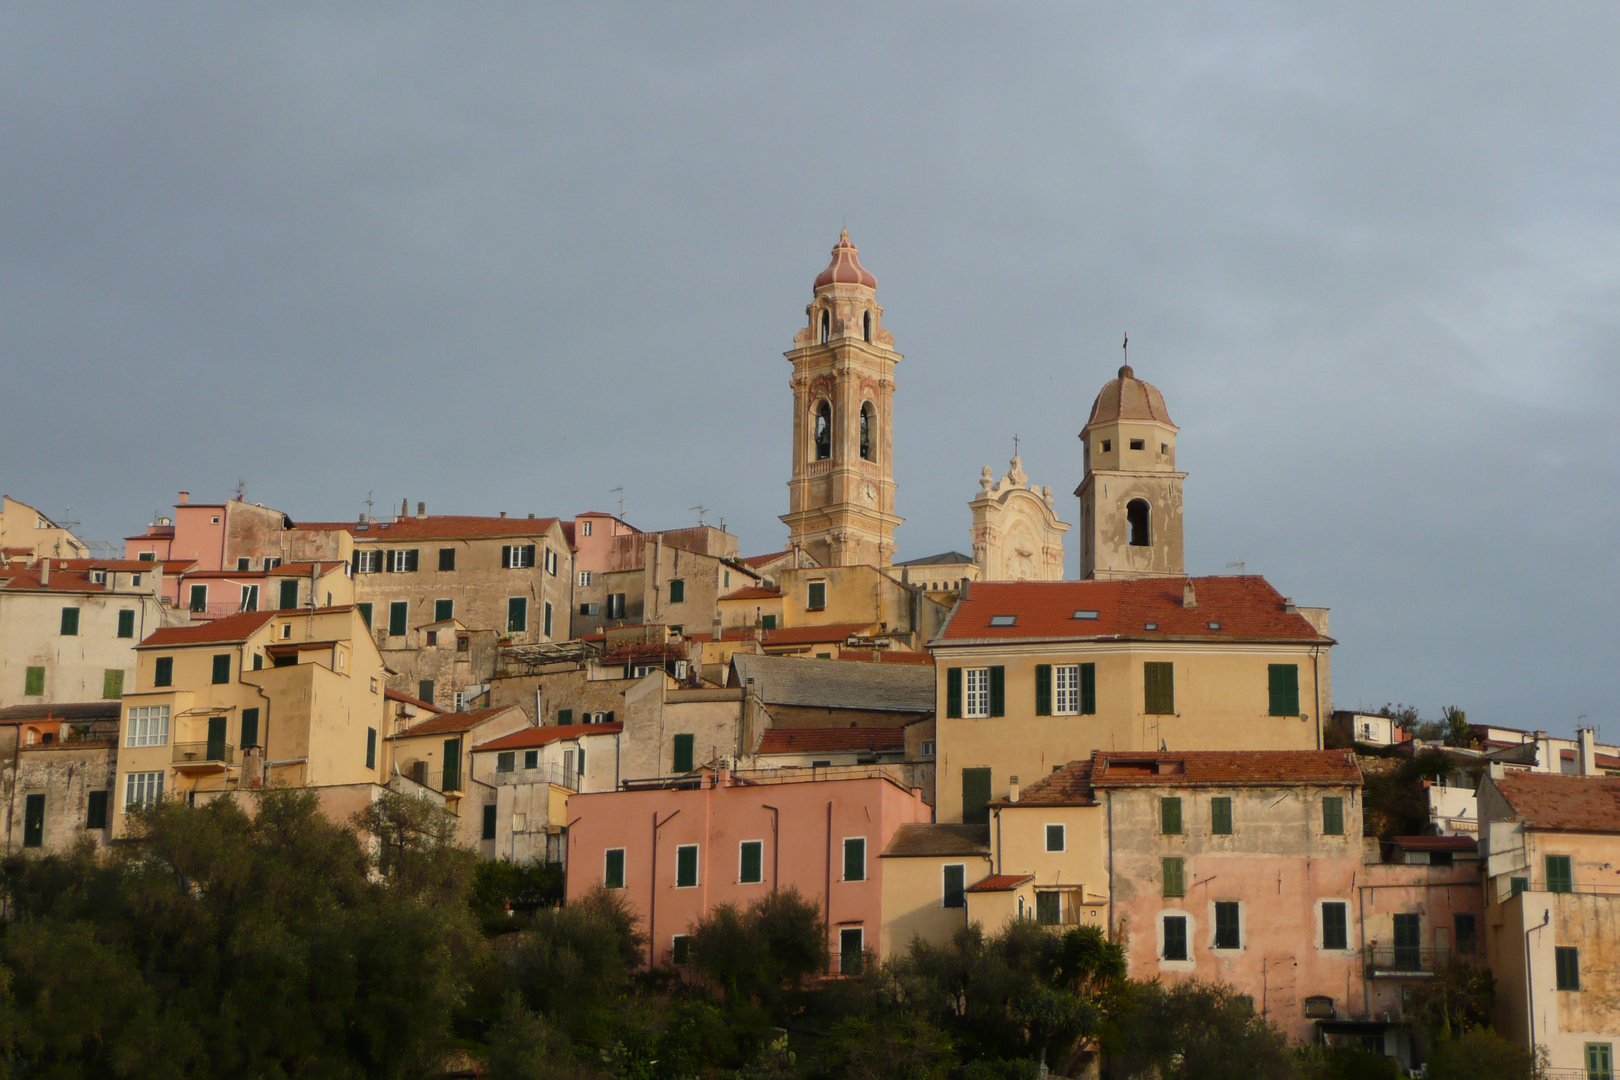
[
  {"x": 22, "y": 528},
  {"x": 437, "y": 753},
  {"x": 264, "y": 697}
]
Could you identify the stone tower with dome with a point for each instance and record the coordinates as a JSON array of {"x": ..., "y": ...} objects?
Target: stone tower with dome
[
  {"x": 841, "y": 496},
  {"x": 1130, "y": 499}
]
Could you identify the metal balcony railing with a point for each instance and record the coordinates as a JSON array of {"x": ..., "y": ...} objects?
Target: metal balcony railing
[
  {"x": 203, "y": 753},
  {"x": 1398, "y": 960}
]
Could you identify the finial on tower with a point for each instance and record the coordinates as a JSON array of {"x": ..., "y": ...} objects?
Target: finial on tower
[{"x": 1125, "y": 371}]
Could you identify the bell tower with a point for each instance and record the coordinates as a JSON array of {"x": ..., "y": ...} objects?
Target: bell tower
[
  {"x": 1130, "y": 499},
  {"x": 841, "y": 497}
]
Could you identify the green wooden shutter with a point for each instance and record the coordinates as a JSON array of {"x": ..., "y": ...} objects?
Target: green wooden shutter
[
  {"x": 975, "y": 796},
  {"x": 955, "y": 886},
  {"x": 686, "y": 866},
  {"x": 489, "y": 821},
  {"x": 1048, "y": 908},
  {"x": 565, "y": 717},
  {"x": 371, "y": 748},
  {"x": 216, "y": 739},
  {"x": 250, "y": 728},
  {"x": 677, "y": 591},
  {"x": 998, "y": 691},
  {"x": 683, "y": 753},
  {"x": 424, "y": 690},
  {"x": 34, "y": 682},
  {"x": 548, "y": 619},
  {"x": 447, "y": 558},
  {"x": 354, "y": 563},
  {"x": 613, "y": 869},
  {"x": 289, "y": 594},
  {"x": 1335, "y": 927},
  {"x": 443, "y": 610},
  {"x": 528, "y": 555},
  {"x": 855, "y": 858},
  {"x": 1043, "y": 689},
  {"x": 1560, "y": 879},
  {"x": 1283, "y": 681},
  {"x": 163, "y": 671},
  {"x": 1220, "y": 815},
  {"x": 452, "y": 765},
  {"x": 767, "y": 622},
  {"x": 399, "y": 613},
  {"x": 70, "y": 622},
  {"x": 1088, "y": 689},
  {"x": 517, "y": 614},
  {"x": 506, "y": 555},
  {"x": 953, "y": 692},
  {"x": 126, "y": 624},
  {"x": 365, "y": 614},
  {"x": 1158, "y": 688},
  {"x": 1174, "y": 879},
  {"x": 112, "y": 683},
  {"x": 34, "y": 821},
  {"x": 751, "y": 860},
  {"x": 1228, "y": 928},
  {"x": 1332, "y": 815},
  {"x": 95, "y": 810},
  {"x": 1170, "y": 815},
  {"x": 199, "y": 598},
  {"x": 222, "y": 668}
]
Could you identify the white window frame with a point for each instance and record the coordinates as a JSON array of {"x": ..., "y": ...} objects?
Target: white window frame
[
  {"x": 584, "y": 579},
  {"x": 368, "y": 561},
  {"x": 844, "y": 864},
  {"x": 1243, "y": 926},
  {"x": 550, "y": 560},
  {"x": 697, "y": 883},
  {"x": 975, "y": 693},
  {"x": 98, "y": 577},
  {"x": 742, "y": 844},
  {"x": 148, "y": 726},
  {"x": 531, "y": 759},
  {"x": 142, "y": 789},
  {"x": 1321, "y": 925},
  {"x": 506, "y": 761},
  {"x": 518, "y": 557},
  {"x": 584, "y": 528},
  {"x": 250, "y": 598},
  {"x": 1066, "y": 690},
  {"x": 928, "y": 748},
  {"x": 1192, "y": 931},
  {"x": 1063, "y": 836}
]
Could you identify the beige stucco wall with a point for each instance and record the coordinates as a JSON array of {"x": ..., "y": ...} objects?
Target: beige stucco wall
[
  {"x": 1115, "y": 477},
  {"x": 655, "y": 713},
  {"x": 23, "y": 526},
  {"x": 1221, "y": 700},
  {"x": 75, "y": 666},
  {"x": 65, "y": 773},
  {"x": 914, "y": 899}
]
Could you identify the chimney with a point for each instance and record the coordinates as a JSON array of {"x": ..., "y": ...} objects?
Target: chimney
[
  {"x": 185, "y": 497},
  {"x": 404, "y": 509},
  {"x": 965, "y": 584},
  {"x": 1585, "y": 738},
  {"x": 1189, "y": 599},
  {"x": 45, "y": 571},
  {"x": 503, "y": 513},
  {"x": 1288, "y": 605},
  {"x": 1013, "y": 789},
  {"x": 421, "y": 509},
  {"x": 362, "y": 518}
]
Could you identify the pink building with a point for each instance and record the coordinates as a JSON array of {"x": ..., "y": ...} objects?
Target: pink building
[
  {"x": 680, "y": 848},
  {"x": 591, "y": 535}
]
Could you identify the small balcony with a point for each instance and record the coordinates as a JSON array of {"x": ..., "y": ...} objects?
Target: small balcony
[
  {"x": 1410, "y": 962},
  {"x": 201, "y": 757}
]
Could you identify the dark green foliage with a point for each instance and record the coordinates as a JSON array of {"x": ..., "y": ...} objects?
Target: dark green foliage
[
  {"x": 1480, "y": 1055},
  {"x": 1198, "y": 1030},
  {"x": 1459, "y": 999},
  {"x": 505, "y": 892},
  {"x": 1346, "y": 1063},
  {"x": 759, "y": 954}
]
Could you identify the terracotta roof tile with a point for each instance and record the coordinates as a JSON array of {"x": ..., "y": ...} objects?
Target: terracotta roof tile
[
  {"x": 232, "y": 628},
  {"x": 754, "y": 592},
  {"x": 832, "y": 740},
  {"x": 437, "y": 527},
  {"x": 1068, "y": 786},
  {"x": 1243, "y": 608},
  {"x": 450, "y": 723},
  {"x": 914, "y": 840},
  {"x": 1562, "y": 803},
  {"x": 1000, "y": 882},
  {"x": 886, "y": 656},
  {"x": 1076, "y": 783},
  {"x": 1436, "y": 843},
  {"x": 529, "y": 738},
  {"x": 761, "y": 560},
  {"x": 395, "y": 695},
  {"x": 814, "y": 635}
]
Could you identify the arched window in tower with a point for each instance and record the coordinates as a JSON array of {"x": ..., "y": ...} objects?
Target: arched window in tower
[
  {"x": 823, "y": 431},
  {"x": 826, "y": 327},
  {"x": 867, "y": 327},
  {"x": 1137, "y": 516},
  {"x": 868, "y": 432}
]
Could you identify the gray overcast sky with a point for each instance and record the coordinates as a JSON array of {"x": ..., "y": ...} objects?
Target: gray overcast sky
[{"x": 509, "y": 258}]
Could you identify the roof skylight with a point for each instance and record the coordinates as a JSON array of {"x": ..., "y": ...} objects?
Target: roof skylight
[
  {"x": 1085, "y": 614},
  {"x": 1150, "y": 626},
  {"x": 1003, "y": 620}
]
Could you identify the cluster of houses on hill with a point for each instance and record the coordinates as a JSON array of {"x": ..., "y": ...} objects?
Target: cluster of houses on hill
[{"x": 915, "y": 746}]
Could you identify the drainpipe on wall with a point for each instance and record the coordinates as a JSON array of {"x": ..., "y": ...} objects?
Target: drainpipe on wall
[
  {"x": 1110, "y": 797},
  {"x": 827, "y": 888},
  {"x": 652, "y": 890},
  {"x": 776, "y": 845},
  {"x": 1529, "y": 981}
]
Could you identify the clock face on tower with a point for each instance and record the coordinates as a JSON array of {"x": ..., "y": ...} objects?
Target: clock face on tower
[{"x": 869, "y": 492}]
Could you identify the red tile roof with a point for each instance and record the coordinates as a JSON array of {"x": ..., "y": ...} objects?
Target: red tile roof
[
  {"x": 437, "y": 527},
  {"x": 1076, "y": 783},
  {"x": 832, "y": 740},
  {"x": 1242, "y": 608},
  {"x": 1000, "y": 882},
  {"x": 886, "y": 656},
  {"x": 1436, "y": 843},
  {"x": 754, "y": 592},
  {"x": 1068, "y": 786},
  {"x": 813, "y": 635},
  {"x": 1562, "y": 803},
  {"x": 232, "y": 628},
  {"x": 451, "y": 723},
  {"x": 395, "y": 695},
  {"x": 529, "y": 738},
  {"x": 295, "y": 569},
  {"x": 761, "y": 560}
]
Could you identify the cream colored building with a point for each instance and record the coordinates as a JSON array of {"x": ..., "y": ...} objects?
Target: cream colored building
[
  {"x": 24, "y": 528},
  {"x": 841, "y": 496},
  {"x": 265, "y": 697},
  {"x": 437, "y": 753},
  {"x": 1016, "y": 532},
  {"x": 1130, "y": 499}
]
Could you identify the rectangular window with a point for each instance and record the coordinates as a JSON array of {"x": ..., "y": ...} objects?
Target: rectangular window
[
  {"x": 1599, "y": 1061},
  {"x": 751, "y": 862},
  {"x": 975, "y": 796},
  {"x": 547, "y": 622},
  {"x": 1049, "y": 908},
  {"x": 1055, "y": 838},
  {"x": 147, "y": 556},
  {"x": 399, "y": 614},
  {"x": 148, "y": 726},
  {"x": 1464, "y": 927},
  {"x": 680, "y": 950},
  {"x": 70, "y": 622},
  {"x": 681, "y": 759},
  {"x": 142, "y": 790},
  {"x": 1175, "y": 937},
  {"x": 1332, "y": 815},
  {"x": 452, "y": 765},
  {"x": 1283, "y": 681},
  {"x": 976, "y": 692},
  {"x": 955, "y": 886},
  {"x": 686, "y": 866},
  {"x": 371, "y": 748},
  {"x": 402, "y": 561},
  {"x": 1088, "y": 689},
  {"x": 551, "y": 562},
  {"x": 851, "y": 950},
  {"x": 1159, "y": 688},
  {"x": 615, "y": 605},
  {"x": 424, "y": 690},
  {"x": 767, "y": 622},
  {"x": 855, "y": 858},
  {"x": 447, "y": 559},
  {"x": 584, "y": 579},
  {"x": 1175, "y": 878},
  {"x": 288, "y": 600},
  {"x": 1560, "y": 878},
  {"x": 250, "y": 598},
  {"x": 222, "y": 668},
  {"x": 489, "y": 821},
  {"x": 199, "y": 598},
  {"x": 443, "y": 610},
  {"x": 33, "y": 821},
  {"x": 1228, "y": 928},
  {"x": 1220, "y": 815},
  {"x": 367, "y": 562},
  {"x": 95, "y": 810},
  {"x": 244, "y": 563},
  {"x": 34, "y": 682},
  {"x": 112, "y": 683},
  {"x": 1566, "y": 960},
  {"x": 1518, "y": 885},
  {"x": 517, "y": 615},
  {"x": 531, "y": 759},
  {"x": 250, "y": 728},
  {"x": 1068, "y": 700},
  {"x": 126, "y": 624},
  {"x": 517, "y": 556},
  {"x": 613, "y": 868},
  {"x": 1043, "y": 689},
  {"x": 585, "y": 528},
  {"x": 1335, "y": 925},
  {"x": 677, "y": 590},
  {"x": 163, "y": 671},
  {"x": 365, "y": 614},
  {"x": 506, "y": 761},
  {"x": 816, "y": 600},
  {"x": 1170, "y": 815}
]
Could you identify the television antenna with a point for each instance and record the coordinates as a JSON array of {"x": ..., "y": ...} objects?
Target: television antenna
[
  {"x": 701, "y": 510},
  {"x": 1237, "y": 565},
  {"x": 619, "y": 491}
]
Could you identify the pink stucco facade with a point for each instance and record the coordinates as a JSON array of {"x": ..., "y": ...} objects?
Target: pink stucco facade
[{"x": 803, "y": 829}]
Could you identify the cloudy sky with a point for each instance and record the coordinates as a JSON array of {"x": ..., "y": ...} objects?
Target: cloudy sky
[{"x": 511, "y": 258}]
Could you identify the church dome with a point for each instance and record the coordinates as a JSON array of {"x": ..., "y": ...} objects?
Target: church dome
[
  {"x": 1129, "y": 398},
  {"x": 845, "y": 268}
]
